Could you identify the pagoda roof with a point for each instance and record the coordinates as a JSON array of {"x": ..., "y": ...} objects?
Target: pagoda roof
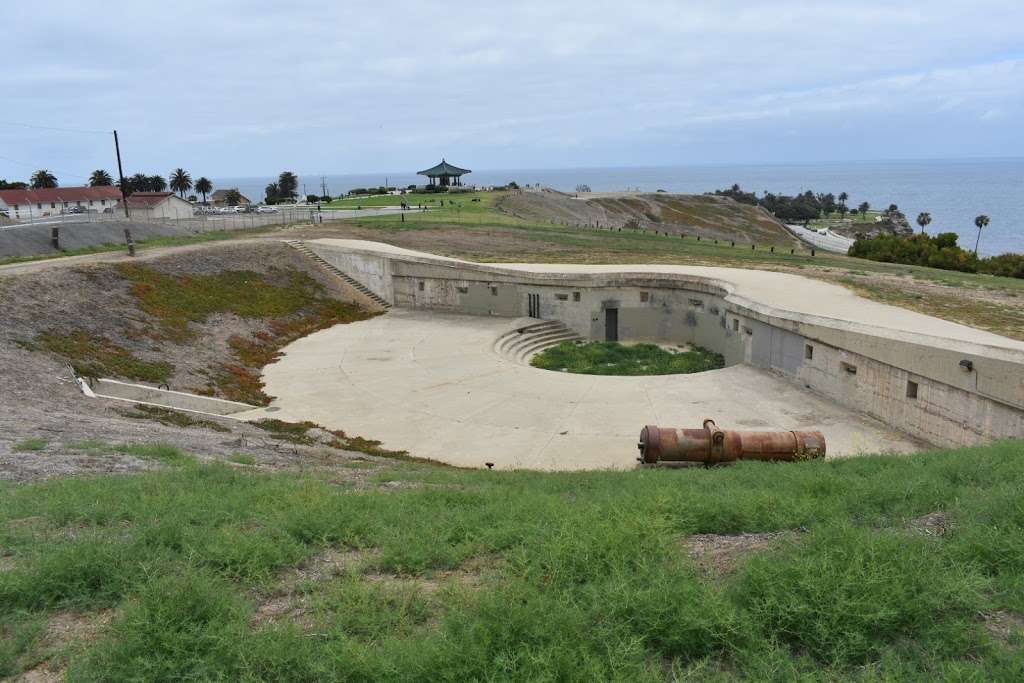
[{"x": 443, "y": 168}]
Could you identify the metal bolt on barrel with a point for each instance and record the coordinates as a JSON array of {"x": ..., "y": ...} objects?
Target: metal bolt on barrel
[{"x": 712, "y": 446}]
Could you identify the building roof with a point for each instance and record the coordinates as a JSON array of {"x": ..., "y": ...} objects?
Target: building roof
[
  {"x": 60, "y": 194},
  {"x": 147, "y": 200},
  {"x": 444, "y": 168}
]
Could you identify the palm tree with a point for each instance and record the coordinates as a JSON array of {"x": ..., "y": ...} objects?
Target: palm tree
[
  {"x": 863, "y": 209},
  {"x": 842, "y": 198},
  {"x": 981, "y": 221},
  {"x": 287, "y": 184},
  {"x": 100, "y": 178},
  {"x": 272, "y": 193},
  {"x": 156, "y": 183},
  {"x": 923, "y": 219},
  {"x": 137, "y": 183},
  {"x": 181, "y": 181},
  {"x": 204, "y": 187},
  {"x": 43, "y": 178}
]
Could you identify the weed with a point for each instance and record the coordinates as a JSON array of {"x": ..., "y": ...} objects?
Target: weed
[
  {"x": 242, "y": 459},
  {"x": 172, "y": 418},
  {"x": 31, "y": 444},
  {"x": 92, "y": 355},
  {"x": 612, "y": 358}
]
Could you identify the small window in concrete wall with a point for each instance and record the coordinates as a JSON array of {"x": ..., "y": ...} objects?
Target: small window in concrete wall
[
  {"x": 645, "y": 297},
  {"x": 696, "y": 302},
  {"x": 575, "y": 296},
  {"x": 848, "y": 368},
  {"x": 562, "y": 297},
  {"x": 422, "y": 284},
  {"x": 462, "y": 290},
  {"x": 494, "y": 291},
  {"x": 911, "y": 389},
  {"x": 735, "y": 324},
  {"x": 808, "y": 352}
]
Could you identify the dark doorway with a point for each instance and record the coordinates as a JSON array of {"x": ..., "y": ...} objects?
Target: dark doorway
[
  {"x": 611, "y": 324},
  {"x": 533, "y": 304}
]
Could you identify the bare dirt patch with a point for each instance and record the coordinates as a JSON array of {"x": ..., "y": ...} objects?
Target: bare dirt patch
[
  {"x": 1005, "y": 626},
  {"x": 718, "y": 555},
  {"x": 64, "y": 630},
  {"x": 933, "y": 524}
]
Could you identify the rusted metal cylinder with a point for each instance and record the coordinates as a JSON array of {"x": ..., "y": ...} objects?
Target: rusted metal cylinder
[{"x": 712, "y": 445}]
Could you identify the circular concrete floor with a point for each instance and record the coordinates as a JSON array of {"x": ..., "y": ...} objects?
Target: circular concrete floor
[{"x": 431, "y": 384}]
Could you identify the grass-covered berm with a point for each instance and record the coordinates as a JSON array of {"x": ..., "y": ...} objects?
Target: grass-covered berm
[
  {"x": 613, "y": 358},
  {"x": 874, "y": 568}
]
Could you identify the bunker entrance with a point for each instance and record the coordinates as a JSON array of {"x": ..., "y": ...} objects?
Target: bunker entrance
[{"x": 611, "y": 324}]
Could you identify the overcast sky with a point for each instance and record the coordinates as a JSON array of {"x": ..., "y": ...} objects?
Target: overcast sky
[{"x": 251, "y": 88}]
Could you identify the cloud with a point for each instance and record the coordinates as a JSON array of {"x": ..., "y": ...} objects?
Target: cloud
[{"x": 244, "y": 88}]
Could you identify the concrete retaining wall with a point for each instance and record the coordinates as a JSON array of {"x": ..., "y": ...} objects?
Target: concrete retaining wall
[
  {"x": 916, "y": 383},
  {"x": 140, "y": 393}
]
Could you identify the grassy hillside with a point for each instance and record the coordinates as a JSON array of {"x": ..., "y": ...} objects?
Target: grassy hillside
[{"x": 876, "y": 568}]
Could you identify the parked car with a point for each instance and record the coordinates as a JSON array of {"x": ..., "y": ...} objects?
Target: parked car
[
  {"x": 75, "y": 209},
  {"x": 266, "y": 209},
  {"x": 226, "y": 209}
]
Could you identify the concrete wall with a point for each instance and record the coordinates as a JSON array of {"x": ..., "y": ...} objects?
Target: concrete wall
[{"x": 912, "y": 382}]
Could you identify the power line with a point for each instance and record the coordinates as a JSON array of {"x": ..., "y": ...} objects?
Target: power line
[
  {"x": 37, "y": 167},
  {"x": 63, "y": 130}
]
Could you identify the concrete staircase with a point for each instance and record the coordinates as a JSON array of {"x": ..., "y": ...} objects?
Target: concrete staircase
[
  {"x": 523, "y": 343},
  {"x": 376, "y": 299}
]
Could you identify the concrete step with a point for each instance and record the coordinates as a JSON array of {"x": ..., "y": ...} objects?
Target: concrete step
[
  {"x": 302, "y": 248},
  {"x": 531, "y": 339},
  {"x": 503, "y": 342},
  {"x": 528, "y": 351}
]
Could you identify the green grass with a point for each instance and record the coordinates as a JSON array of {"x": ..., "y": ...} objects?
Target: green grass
[
  {"x": 415, "y": 199},
  {"x": 242, "y": 459},
  {"x": 613, "y": 358},
  {"x": 477, "y": 575},
  {"x": 166, "y": 453},
  {"x": 31, "y": 444}
]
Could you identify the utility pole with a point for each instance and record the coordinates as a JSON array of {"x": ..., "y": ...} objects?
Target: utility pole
[
  {"x": 323, "y": 186},
  {"x": 120, "y": 174}
]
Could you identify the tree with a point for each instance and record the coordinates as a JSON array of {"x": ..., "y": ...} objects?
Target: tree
[
  {"x": 43, "y": 178},
  {"x": 981, "y": 221},
  {"x": 137, "y": 183},
  {"x": 12, "y": 185},
  {"x": 842, "y": 199},
  {"x": 156, "y": 183},
  {"x": 863, "y": 209},
  {"x": 232, "y": 196},
  {"x": 100, "y": 178},
  {"x": 923, "y": 219},
  {"x": 181, "y": 181},
  {"x": 272, "y": 192},
  {"x": 204, "y": 187},
  {"x": 287, "y": 185}
]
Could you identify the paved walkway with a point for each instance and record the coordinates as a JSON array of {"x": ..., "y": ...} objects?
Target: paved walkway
[{"x": 432, "y": 384}]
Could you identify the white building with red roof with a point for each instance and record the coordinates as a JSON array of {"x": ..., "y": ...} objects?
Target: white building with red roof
[
  {"x": 54, "y": 201},
  {"x": 158, "y": 205}
]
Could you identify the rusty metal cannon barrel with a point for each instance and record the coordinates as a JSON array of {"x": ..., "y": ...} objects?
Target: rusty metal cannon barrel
[{"x": 711, "y": 445}]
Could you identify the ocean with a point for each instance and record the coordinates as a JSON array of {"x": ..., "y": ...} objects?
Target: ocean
[{"x": 953, "y": 191}]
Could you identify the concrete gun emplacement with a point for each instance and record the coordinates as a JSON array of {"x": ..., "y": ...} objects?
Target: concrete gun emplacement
[{"x": 713, "y": 446}]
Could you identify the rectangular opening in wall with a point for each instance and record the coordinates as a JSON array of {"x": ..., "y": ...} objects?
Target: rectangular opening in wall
[
  {"x": 462, "y": 290},
  {"x": 848, "y": 368},
  {"x": 421, "y": 285},
  {"x": 645, "y": 297},
  {"x": 911, "y": 389},
  {"x": 562, "y": 297},
  {"x": 808, "y": 352},
  {"x": 697, "y": 303},
  {"x": 575, "y": 296},
  {"x": 735, "y": 324},
  {"x": 494, "y": 291}
]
